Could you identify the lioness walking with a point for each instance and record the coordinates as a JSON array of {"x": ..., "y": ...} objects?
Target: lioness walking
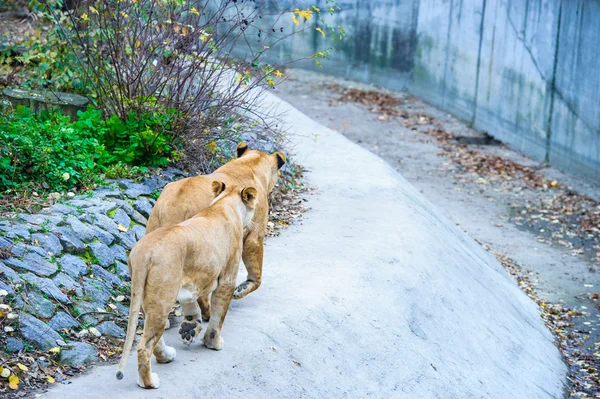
[
  {"x": 182, "y": 199},
  {"x": 192, "y": 259}
]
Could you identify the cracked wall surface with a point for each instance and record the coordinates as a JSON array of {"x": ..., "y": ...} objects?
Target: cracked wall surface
[{"x": 525, "y": 71}]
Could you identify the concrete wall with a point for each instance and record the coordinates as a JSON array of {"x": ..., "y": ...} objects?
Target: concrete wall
[{"x": 525, "y": 71}]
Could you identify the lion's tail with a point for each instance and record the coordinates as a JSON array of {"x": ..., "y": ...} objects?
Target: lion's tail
[{"x": 138, "y": 281}]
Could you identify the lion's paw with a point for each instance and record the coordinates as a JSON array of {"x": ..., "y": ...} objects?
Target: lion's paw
[
  {"x": 154, "y": 381},
  {"x": 241, "y": 290},
  {"x": 189, "y": 330},
  {"x": 167, "y": 356},
  {"x": 213, "y": 341}
]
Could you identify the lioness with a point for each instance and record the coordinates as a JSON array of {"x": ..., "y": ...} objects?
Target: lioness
[
  {"x": 182, "y": 199},
  {"x": 192, "y": 259}
]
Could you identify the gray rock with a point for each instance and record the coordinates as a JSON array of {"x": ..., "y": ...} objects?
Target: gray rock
[
  {"x": 63, "y": 320},
  {"x": 104, "y": 254},
  {"x": 102, "y": 209},
  {"x": 10, "y": 235},
  {"x": 34, "y": 263},
  {"x": 48, "y": 241},
  {"x": 37, "y": 332},
  {"x": 62, "y": 280},
  {"x": 135, "y": 190},
  {"x": 83, "y": 231},
  {"x": 38, "y": 306},
  {"x": 103, "y": 236},
  {"x": 47, "y": 221},
  {"x": 69, "y": 240},
  {"x": 122, "y": 309},
  {"x": 14, "y": 345},
  {"x": 119, "y": 253},
  {"x": 106, "y": 276},
  {"x": 171, "y": 173},
  {"x": 110, "y": 329},
  {"x": 127, "y": 239},
  {"x": 8, "y": 288},
  {"x": 139, "y": 218},
  {"x": 20, "y": 249},
  {"x": 122, "y": 271},
  {"x": 83, "y": 202},
  {"x": 108, "y": 193},
  {"x": 60, "y": 209},
  {"x": 17, "y": 230},
  {"x": 138, "y": 232},
  {"x": 78, "y": 354},
  {"x": 8, "y": 273},
  {"x": 124, "y": 205},
  {"x": 72, "y": 265},
  {"x": 105, "y": 223},
  {"x": 5, "y": 243},
  {"x": 96, "y": 291},
  {"x": 122, "y": 218},
  {"x": 47, "y": 286},
  {"x": 143, "y": 206},
  {"x": 85, "y": 307}
]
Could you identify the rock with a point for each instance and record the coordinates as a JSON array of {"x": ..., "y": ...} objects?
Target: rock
[
  {"x": 106, "y": 276},
  {"x": 124, "y": 205},
  {"x": 139, "y": 218},
  {"x": 103, "y": 236},
  {"x": 63, "y": 320},
  {"x": 139, "y": 232},
  {"x": 9, "y": 273},
  {"x": 122, "y": 309},
  {"x": 110, "y": 329},
  {"x": 34, "y": 263},
  {"x": 143, "y": 206},
  {"x": 62, "y": 280},
  {"x": 20, "y": 249},
  {"x": 6, "y": 287},
  {"x": 47, "y": 286},
  {"x": 108, "y": 193},
  {"x": 96, "y": 291},
  {"x": 172, "y": 173},
  {"x": 69, "y": 240},
  {"x": 4, "y": 243},
  {"x": 60, "y": 209},
  {"x": 133, "y": 193},
  {"x": 17, "y": 230},
  {"x": 84, "y": 307},
  {"x": 48, "y": 241},
  {"x": 121, "y": 218},
  {"x": 104, "y": 254},
  {"x": 119, "y": 253},
  {"x": 122, "y": 271},
  {"x": 78, "y": 354},
  {"x": 72, "y": 265},
  {"x": 39, "y": 306},
  {"x": 104, "y": 222},
  {"x": 14, "y": 345},
  {"x": 83, "y": 231},
  {"x": 37, "y": 332},
  {"x": 47, "y": 221},
  {"x": 127, "y": 239},
  {"x": 40, "y": 100}
]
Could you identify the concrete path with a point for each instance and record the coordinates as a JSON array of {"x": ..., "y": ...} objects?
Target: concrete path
[{"x": 375, "y": 294}]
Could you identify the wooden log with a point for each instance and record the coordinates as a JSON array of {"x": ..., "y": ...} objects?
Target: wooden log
[{"x": 39, "y": 100}]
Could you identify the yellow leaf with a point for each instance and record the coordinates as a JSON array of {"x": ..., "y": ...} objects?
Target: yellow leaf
[
  {"x": 321, "y": 31},
  {"x": 50, "y": 379},
  {"x": 194, "y": 11},
  {"x": 295, "y": 20},
  {"x": 138, "y": 43},
  {"x": 278, "y": 74},
  {"x": 121, "y": 228},
  {"x": 56, "y": 349},
  {"x": 13, "y": 382},
  {"x": 92, "y": 9},
  {"x": 22, "y": 367},
  {"x": 85, "y": 17},
  {"x": 554, "y": 183}
]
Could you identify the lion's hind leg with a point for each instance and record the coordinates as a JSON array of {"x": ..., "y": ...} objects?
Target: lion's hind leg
[
  {"x": 153, "y": 331},
  {"x": 220, "y": 300},
  {"x": 192, "y": 324}
]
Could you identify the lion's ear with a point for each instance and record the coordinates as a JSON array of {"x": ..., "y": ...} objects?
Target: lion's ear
[
  {"x": 280, "y": 158},
  {"x": 241, "y": 149},
  {"x": 218, "y": 187},
  {"x": 249, "y": 195}
]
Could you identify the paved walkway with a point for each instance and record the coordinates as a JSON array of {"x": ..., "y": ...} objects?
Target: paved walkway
[{"x": 375, "y": 294}]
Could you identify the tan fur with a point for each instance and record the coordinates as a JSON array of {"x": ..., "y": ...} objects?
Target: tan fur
[
  {"x": 196, "y": 258},
  {"x": 182, "y": 199}
]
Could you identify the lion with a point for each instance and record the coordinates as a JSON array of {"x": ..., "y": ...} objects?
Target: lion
[
  {"x": 182, "y": 199},
  {"x": 195, "y": 258}
]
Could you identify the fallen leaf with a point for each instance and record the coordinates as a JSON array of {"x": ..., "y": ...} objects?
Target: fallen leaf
[
  {"x": 22, "y": 367},
  {"x": 50, "y": 379},
  {"x": 5, "y": 372},
  {"x": 56, "y": 349},
  {"x": 120, "y": 298},
  {"x": 297, "y": 363},
  {"x": 122, "y": 228},
  {"x": 13, "y": 382}
]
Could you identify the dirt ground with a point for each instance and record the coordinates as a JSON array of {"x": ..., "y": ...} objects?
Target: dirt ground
[{"x": 510, "y": 214}]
